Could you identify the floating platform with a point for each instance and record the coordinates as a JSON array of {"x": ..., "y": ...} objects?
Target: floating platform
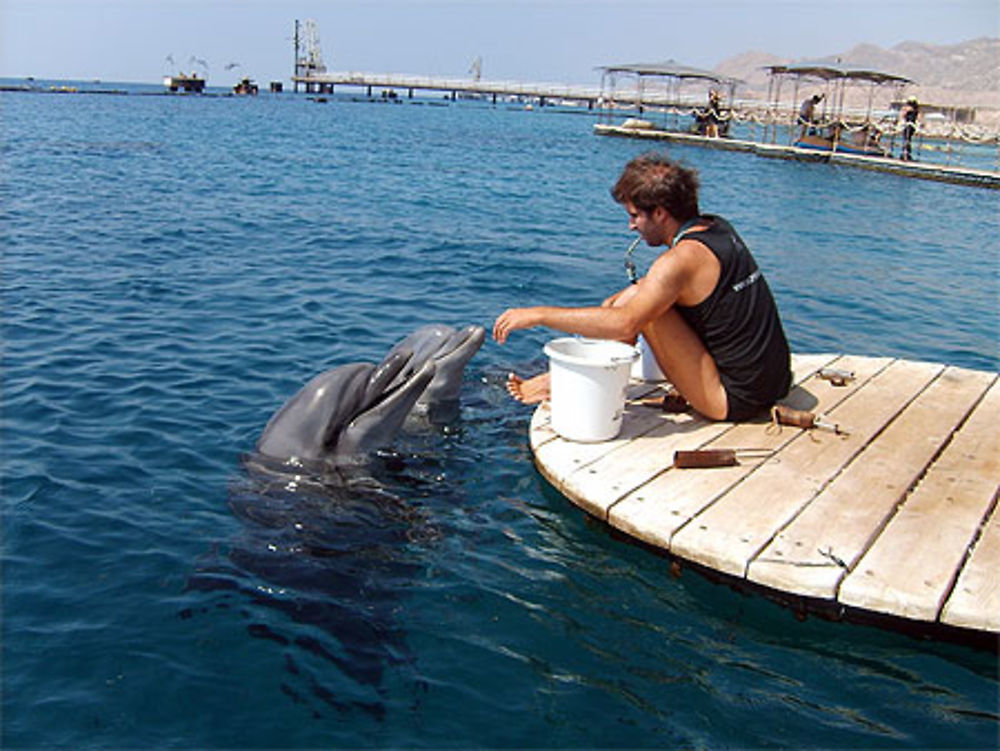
[
  {"x": 192, "y": 84},
  {"x": 922, "y": 170},
  {"x": 896, "y": 520}
]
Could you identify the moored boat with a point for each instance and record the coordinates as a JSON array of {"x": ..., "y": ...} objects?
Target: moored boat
[
  {"x": 671, "y": 89},
  {"x": 246, "y": 87},
  {"x": 192, "y": 84},
  {"x": 834, "y": 119}
]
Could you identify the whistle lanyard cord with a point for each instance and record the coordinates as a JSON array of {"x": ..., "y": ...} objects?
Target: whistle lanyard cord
[
  {"x": 633, "y": 277},
  {"x": 685, "y": 228}
]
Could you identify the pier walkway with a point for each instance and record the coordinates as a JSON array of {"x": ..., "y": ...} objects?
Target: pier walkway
[
  {"x": 896, "y": 521},
  {"x": 326, "y": 82}
]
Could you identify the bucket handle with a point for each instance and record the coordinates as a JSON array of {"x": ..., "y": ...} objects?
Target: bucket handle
[{"x": 622, "y": 360}]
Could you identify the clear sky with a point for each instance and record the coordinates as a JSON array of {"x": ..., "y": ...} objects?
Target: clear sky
[{"x": 558, "y": 41}]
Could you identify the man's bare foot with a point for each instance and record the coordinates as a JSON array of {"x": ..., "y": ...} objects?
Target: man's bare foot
[
  {"x": 531, "y": 391},
  {"x": 672, "y": 402}
]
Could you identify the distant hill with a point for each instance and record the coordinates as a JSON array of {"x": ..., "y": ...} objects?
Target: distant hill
[{"x": 967, "y": 73}]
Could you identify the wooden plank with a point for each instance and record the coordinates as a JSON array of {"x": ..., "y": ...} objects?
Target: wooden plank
[
  {"x": 806, "y": 366},
  {"x": 655, "y": 512},
  {"x": 599, "y": 484},
  {"x": 730, "y": 532},
  {"x": 811, "y": 556},
  {"x": 940, "y": 519},
  {"x": 540, "y": 430},
  {"x": 975, "y": 602},
  {"x": 561, "y": 458}
]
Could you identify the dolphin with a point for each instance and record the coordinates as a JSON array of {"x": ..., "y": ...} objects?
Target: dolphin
[
  {"x": 450, "y": 350},
  {"x": 346, "y": 411},
  {"x": 353, "y": 409},
  {"x": 329, "y": 540}
]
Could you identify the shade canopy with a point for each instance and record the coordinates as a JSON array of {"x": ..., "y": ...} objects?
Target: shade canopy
[
  {"x": 832, "y": 71},
  {"x": 670, "y": 69}
]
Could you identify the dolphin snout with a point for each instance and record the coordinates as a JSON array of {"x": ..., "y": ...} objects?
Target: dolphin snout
[{"x": 475, "y": 335}]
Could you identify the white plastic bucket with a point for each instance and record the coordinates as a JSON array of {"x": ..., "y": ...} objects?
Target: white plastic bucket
[
  {"x": 646, "y": 368},
  {"x": 589, "y": 378}
]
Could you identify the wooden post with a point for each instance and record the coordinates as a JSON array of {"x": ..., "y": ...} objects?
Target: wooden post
[{"x": 295, "y": 61}]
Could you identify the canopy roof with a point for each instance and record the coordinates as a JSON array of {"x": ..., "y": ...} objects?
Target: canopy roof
[
  {"x": 669, "y": 69},
  {"x": 829, "y": 71}
]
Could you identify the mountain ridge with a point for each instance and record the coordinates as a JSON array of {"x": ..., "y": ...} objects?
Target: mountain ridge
[{"x": 962, "y": 74}]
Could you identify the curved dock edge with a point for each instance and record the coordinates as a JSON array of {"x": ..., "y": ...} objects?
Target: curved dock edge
[{"x": 920, "y": 470}]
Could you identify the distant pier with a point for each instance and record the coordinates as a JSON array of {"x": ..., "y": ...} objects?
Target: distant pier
[{"x": 325, "y": 83}]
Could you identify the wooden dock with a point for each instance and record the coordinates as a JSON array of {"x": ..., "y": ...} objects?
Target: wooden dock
[
  {"x": 922, "y": 170},
  {"x": 897, "y": 520}
]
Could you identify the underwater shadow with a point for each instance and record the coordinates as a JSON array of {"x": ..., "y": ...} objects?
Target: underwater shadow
[{"x": 336, "y": 553}]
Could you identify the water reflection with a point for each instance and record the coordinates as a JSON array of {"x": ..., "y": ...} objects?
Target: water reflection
[{"x": 336, "y": 554}]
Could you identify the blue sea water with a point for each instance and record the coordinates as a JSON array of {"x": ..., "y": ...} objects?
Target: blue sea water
[{"x": 174, "y": 268}]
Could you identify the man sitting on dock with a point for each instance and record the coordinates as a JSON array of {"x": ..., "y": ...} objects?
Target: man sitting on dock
[{"x": 704, "y": 307}]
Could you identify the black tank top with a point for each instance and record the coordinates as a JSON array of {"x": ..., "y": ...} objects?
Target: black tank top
[{"x": 739, "y": 324}]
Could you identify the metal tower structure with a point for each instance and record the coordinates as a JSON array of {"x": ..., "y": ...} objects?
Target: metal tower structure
[{"x": 308, "y": 57}]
